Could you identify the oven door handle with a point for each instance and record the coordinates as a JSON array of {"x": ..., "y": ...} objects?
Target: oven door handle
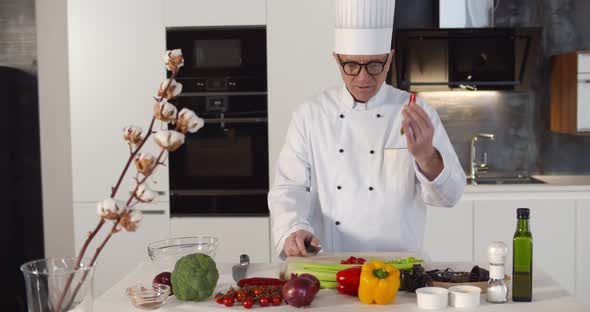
[
  {"x": 153, "y": 212},
  {"x": 236, "y": 120},
  {"x": 218, "y": 192}
]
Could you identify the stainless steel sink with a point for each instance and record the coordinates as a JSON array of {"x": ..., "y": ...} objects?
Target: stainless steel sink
[{"x": 505, "y": 180}]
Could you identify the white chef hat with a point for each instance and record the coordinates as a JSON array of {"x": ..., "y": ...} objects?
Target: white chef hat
[{"x": 363, "y": 27}]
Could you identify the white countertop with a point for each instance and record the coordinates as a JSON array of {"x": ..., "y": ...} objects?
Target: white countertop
[
  {"x": 573, "y": 180},
  {"x": 560, "y": 186},
  {"x": 547, "y": 296}
]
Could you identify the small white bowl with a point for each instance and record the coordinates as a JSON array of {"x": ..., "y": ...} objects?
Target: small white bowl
[
  {"x": 432, "y": 298},
  {"x": 464, "y": 296}
]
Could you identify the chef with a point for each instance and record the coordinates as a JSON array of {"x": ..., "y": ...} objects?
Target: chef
[{"x": 360, "y": 162}]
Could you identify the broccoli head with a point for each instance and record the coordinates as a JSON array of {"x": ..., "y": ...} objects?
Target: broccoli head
[{"x": 194, "y": 277}]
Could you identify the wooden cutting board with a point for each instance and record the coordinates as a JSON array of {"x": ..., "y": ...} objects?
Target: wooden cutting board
[{"x": 287, "y": 267}]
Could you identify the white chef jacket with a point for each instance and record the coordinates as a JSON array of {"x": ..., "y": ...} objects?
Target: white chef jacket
[{"x": 346, "y": 175}]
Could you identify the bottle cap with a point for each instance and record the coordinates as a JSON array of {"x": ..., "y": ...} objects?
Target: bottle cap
[
  {"x": 497, "y": 252},
  {"x": 522, "y": 213}
]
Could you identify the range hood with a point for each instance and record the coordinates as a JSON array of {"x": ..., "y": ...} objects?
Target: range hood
[{"x": 465, "y": 51}]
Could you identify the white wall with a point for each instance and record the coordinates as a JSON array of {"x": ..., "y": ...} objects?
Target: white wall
[
  {"x": 300, "y": 62},
  {"x": 191, "y": 13},
  {"x": 116, "y": 66},
  {"x": 54, "y": 126},
  {"x": 115, "y": 69}
]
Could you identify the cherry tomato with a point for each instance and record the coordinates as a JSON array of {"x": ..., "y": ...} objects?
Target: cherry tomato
[
  {"x": 219, "y": 298},
  {"x": 240, "y": 295},
  {"x": 228, "y": 301},
  {"x": 264, "y": 301},
  {"x": 277, "y": 300},
  {"x": 257, "y": 291},
  {"x": 248, "y": 303}
]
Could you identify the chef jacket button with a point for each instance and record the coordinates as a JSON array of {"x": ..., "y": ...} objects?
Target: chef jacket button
[
  {"x": 370, "y": 188},
  {"x": 337, "y": 222},
  {"x": 341, "y": 150},
  {"x": 379, "y": 115},
  {"x": 339, "y": 187},
  {"x": 341, "y": 115},
  {"x": 372, "y": 152}
]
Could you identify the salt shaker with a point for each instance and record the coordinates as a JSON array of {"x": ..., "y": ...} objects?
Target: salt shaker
[{"x": 497, "y": 289}]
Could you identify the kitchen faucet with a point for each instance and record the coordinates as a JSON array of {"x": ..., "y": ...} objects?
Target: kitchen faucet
[{"x": 473, "y": 167}]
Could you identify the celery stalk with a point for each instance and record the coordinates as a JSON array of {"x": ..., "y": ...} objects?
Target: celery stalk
[
  {"x": 328, "y": 284},
  {"x": 324, "y": 272},
  {"x": 319, "y": 274},
  {"x": 323, "y": 266}
]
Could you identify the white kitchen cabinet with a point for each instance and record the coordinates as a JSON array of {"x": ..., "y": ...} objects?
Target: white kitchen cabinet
[
  {"x": 115, "y": 68},
  {"x": 125, "y": 249},
  {"x": 584, "y": 102},
  {"x": 191, "y": 13},
  {"x": 552, "y": 226},
  {"x": 570, "y": 93},
  {"x": 583, "y": 252},
  {"x": 300, "y": 63},
  {"x": 237, "y": 235},
  {"x": 449, "y": 233},
  {"x": 584, "y": 63}
]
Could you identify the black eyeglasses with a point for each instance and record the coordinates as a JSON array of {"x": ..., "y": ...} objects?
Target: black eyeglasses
[{"x": 373, "y": 68}]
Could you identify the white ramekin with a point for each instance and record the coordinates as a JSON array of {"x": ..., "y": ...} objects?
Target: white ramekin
[
  {"x": 464, "y": 296},
  {"x": 432, "y": 298}
]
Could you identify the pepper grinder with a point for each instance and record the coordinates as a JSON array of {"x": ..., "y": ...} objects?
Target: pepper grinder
[{"x": 497, "y": 289}]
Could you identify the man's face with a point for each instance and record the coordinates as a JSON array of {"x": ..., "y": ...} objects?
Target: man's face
[{"x": 364, "y": 85}]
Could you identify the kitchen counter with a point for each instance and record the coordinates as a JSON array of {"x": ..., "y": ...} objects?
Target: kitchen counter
[
  {"x": 547, "y": 295},
  {"x": 532, "y": 187},
  {"x": 574, "y": 180},
  {"x": 554, "y": 186}
]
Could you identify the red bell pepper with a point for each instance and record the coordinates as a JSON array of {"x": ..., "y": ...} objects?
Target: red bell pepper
[{"x": 348, "y": 280}]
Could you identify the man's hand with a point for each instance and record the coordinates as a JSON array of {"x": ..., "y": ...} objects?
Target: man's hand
[
  {"x": 295, "y": 244},
  {"x": 419, "y": 132}
]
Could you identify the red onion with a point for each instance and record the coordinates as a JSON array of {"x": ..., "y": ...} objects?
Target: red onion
[
  {"x": 315, "y": 280},
  {"x": 299, "y": 292},
  {"x": 164, "y": 278}
]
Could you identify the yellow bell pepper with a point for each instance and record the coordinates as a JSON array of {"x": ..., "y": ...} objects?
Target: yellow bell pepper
[{"x": 379, "y": 283}]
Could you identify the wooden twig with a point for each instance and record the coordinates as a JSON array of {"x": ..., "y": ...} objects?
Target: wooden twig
[
  {"x": 115, "y": 225},
  {"x": 114, "y": 191}
]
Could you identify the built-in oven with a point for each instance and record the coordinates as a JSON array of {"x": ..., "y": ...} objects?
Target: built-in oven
[{"x": 223, "y": 168}]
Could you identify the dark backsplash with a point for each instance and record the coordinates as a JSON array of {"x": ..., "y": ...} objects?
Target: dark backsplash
[
  {"x": 18, "y": 36},
  {"x": 21, "y": 225},
  {"x": 520, "y": 120},
  {"x": 508, "y": 115}
]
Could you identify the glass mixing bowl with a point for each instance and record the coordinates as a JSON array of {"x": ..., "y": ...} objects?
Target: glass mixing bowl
[{"x": 166, "y": 252}]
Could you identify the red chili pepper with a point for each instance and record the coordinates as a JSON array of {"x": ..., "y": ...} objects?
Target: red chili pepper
[
  {"x": 261, "y": 281},
  {"x": 412, "y": 98},
  {"x": 348, "y": 280}
]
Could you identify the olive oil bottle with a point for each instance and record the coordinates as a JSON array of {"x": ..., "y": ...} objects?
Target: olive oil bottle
[{"x": 522, "y": 259}]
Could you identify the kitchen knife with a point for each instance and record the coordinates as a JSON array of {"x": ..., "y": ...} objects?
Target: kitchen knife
[
  {"x": 239, "y": 270},
  {"x": 310, "y": 248}
]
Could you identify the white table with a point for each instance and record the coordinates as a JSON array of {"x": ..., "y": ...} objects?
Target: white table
[{"x": 547, "y": 296}]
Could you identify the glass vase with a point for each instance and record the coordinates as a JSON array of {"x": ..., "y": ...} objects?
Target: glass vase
[{"x": 56, "y": 285}]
